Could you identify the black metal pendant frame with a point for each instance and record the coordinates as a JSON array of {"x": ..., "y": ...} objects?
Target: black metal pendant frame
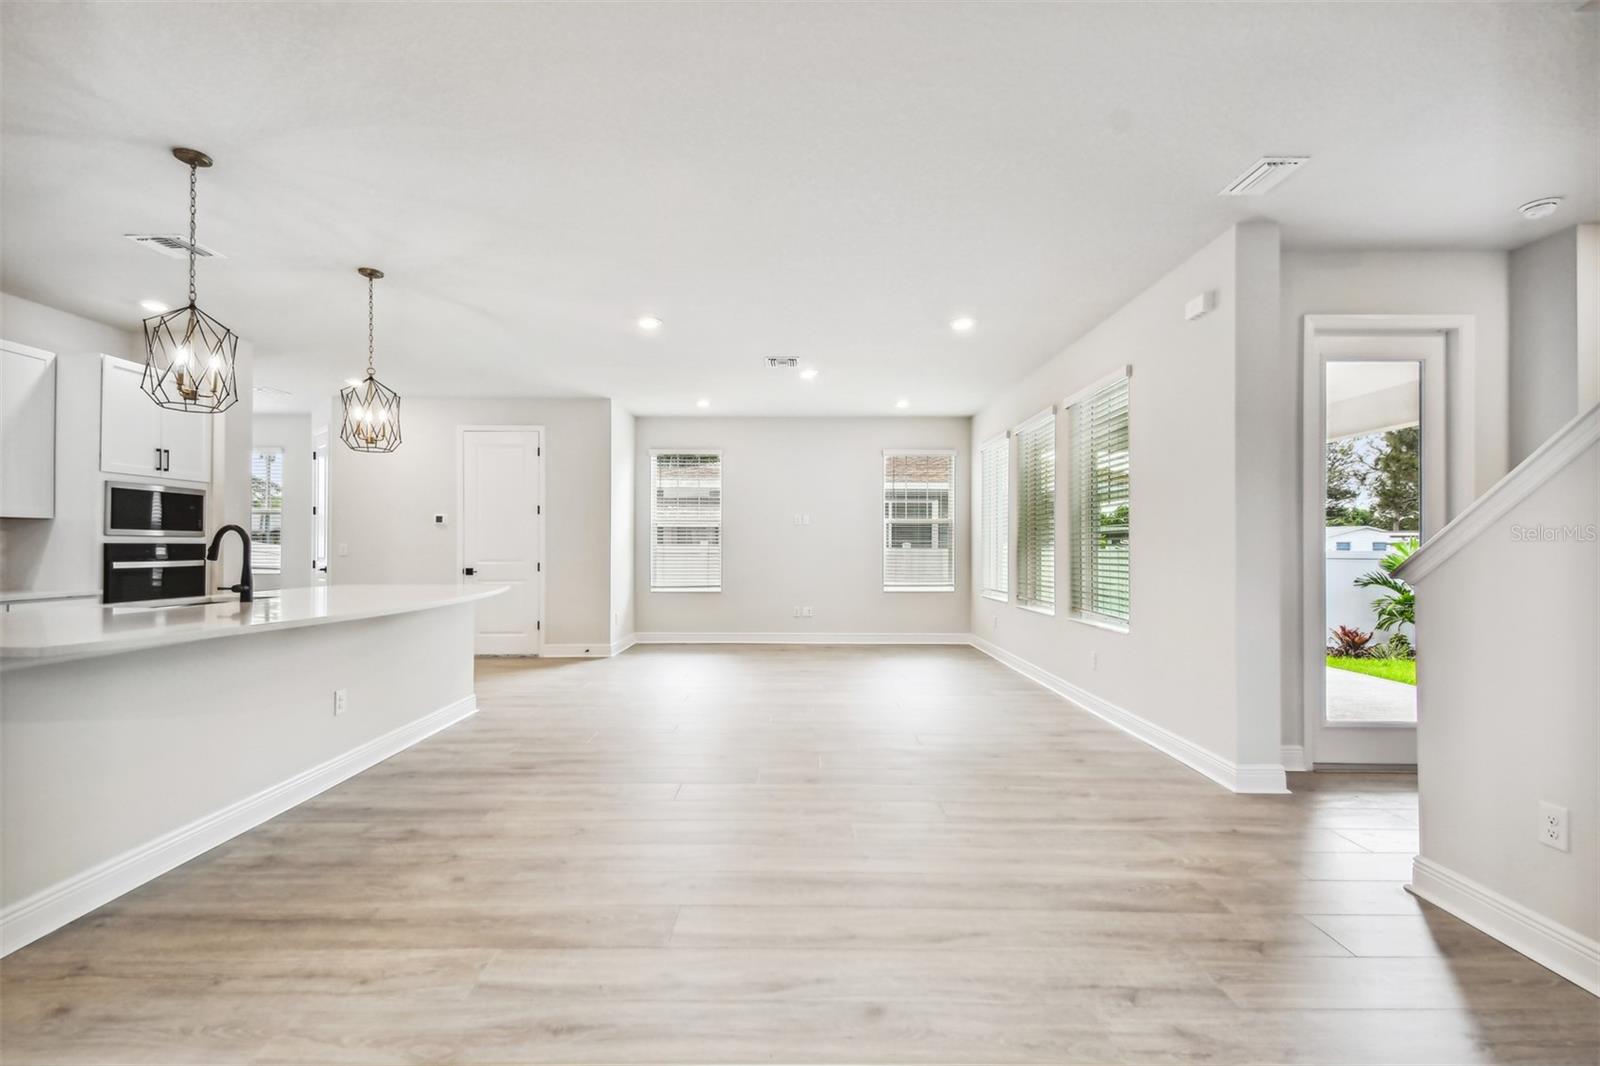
[
  {"x": 189, "y": 361},
  {"x": 371, "y": 416}
]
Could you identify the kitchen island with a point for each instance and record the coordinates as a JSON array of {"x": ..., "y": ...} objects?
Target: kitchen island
[{"x": 134, "y": 738}]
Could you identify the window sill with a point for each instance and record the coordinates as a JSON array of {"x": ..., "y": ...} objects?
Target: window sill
[
  {"x": 1109, "y": 625},
  {"x": 685, "y": 590},
  {"x": 919, "y": 588},
  {"x": 1048, "y": 612},
  {"x": 998, "y": 597}
]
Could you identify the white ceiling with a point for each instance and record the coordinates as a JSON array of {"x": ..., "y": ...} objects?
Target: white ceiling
[{"x": 829, "y": 181}]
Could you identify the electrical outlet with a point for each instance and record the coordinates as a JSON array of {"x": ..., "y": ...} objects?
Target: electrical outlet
[
  {"x": 438, "y": 520},
  {"x": 1094, "y": 660},
  {"x": 344, "y": 549},
  {"x": 807, "y": 518},
  {"x": 1553, "y": 827},
  {"x": 797, "y": 611},
  {"x": 805, "y": 612},
  {"x": 341, "y": 701}
]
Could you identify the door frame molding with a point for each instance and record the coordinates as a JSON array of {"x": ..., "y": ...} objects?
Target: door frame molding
[
  {"x": 539, "y": 515},
  {"x": 1457, "y": 331}
]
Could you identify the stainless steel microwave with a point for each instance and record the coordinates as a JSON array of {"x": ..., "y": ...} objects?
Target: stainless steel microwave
[{"x": 155, "y": 511}]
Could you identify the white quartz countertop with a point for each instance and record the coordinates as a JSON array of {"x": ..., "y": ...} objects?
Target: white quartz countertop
[
  {"x": 72, "y": 630},
  {"x": 37, "y": 595}
]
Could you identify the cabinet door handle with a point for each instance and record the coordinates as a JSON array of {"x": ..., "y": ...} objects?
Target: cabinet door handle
[
  {"x": 166, "y": 458},
  {"x": 158, "y": 460}
]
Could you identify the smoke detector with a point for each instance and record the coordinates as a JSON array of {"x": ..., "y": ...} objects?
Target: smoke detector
[
  {"x": 1534, "y": 210},
  {"x": 779, "y": 362},
  {"x": 1264, "y": 174},
  {"x": 173, "y": 245}
]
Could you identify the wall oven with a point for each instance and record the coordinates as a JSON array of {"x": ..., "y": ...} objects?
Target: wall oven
[
  {"x": 155, "y": 511},
  {"x": 153, "y": 572}
]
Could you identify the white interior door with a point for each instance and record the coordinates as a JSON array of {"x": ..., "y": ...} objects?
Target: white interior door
[
  {"x": 1382, "y": 397},
  {"x": 501, "y": 531}
]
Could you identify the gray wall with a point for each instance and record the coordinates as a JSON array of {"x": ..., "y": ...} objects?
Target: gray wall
[
  {"x": 382, "y": 506},
  {"x": 831, "y": 469},
  {"x": 1178, "y": 666},
  {"x": 1544, "y": 340}
]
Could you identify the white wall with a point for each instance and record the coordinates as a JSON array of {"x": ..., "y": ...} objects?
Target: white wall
[
  {"x": 1555, "y": 353},
  {"x": 774, "y": 468},
  {"x": 1544, "y": 339},
  {"x": 1424, "y": 283},
  {"x": 292, "y": 433},
  {"x": 1443, "y": 283},
  {"x": 1179, "y": 666},
  {"x": 382, "y": 506},
  {"x": 64, "y": 552},
  {"x": 1507, "y": 713},
  {"x": 622, "y": 512}
]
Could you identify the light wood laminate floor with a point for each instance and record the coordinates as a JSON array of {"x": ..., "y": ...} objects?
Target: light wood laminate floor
[{"x": 788, "y": 854}]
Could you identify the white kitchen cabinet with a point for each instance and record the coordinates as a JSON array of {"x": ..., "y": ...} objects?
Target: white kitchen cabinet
[
  {"x": 140, "y": 438},
  {"x": 27, "y": 432}
]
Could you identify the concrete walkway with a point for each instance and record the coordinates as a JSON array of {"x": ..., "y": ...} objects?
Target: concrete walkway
[{"x": 1356, "y": 697}]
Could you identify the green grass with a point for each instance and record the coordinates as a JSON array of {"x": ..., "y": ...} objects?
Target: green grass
[{"x": 1401, "y": 670}]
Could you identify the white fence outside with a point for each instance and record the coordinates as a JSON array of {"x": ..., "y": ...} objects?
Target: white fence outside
[{"x": 1346, "y": 604}]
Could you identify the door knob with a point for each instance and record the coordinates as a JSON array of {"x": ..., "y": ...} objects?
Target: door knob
[{"x": 469, "y": 571}]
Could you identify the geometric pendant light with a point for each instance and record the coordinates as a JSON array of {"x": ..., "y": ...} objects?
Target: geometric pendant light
[
  {"x": 189, "y": 356},
  {"x": 371, "y": 409}
]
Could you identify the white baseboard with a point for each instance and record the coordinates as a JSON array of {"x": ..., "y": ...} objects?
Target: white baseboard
[
  {"x": 1260, "y": 778},
  {"x": 600, "y": 649},
  {"x": 622, "y": 644},
  {"x": 1552, "y": 945},
  {"x": 1293, "y": 757},
  {"x": 802, "y": 638},
  {"x": 48, "y": 910}
]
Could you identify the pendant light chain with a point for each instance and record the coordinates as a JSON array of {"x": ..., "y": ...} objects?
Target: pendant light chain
[
  {"x": 193, "y": 172},
  {"x": 369, "y": 326}
]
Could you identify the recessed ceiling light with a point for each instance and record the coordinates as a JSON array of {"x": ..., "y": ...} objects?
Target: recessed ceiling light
[
  {"x": 808, "y": 374},
  {"x": 963, "y": 324},
  {"x": 702, "y": 402},
  {"x": 155, "y": 307},
  {"x": 902, "y": 403},
  {"x": 1534, "y": 210},
  {"x": 649, "y": 323}
]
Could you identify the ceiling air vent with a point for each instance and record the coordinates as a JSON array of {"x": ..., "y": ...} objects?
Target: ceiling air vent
[
  {"x": 175, "y": 245},
  {"x": 1263, "y": 174},
  {"x": 778, "y": 362}
]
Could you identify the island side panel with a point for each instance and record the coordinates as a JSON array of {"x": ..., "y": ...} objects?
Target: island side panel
[{"x": 102, "y": 757}]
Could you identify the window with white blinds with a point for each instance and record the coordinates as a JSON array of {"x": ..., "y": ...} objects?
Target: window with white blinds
[
  {"x": 994, "y": 520},
  {"x": 266, "y": 510},
  {"x": 1036, "y": 512},
  {"x": 1099, "y": 503},
  {"x": 919, "y": 491},
  {"x": 686, "y": 521}
]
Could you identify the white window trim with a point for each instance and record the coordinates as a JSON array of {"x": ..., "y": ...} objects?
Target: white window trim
[
  {"x": 650, "y": 518},
  {"x": 883, "y": 562},
  {"x": 1121, "y": 373},
  {"x": 1002, "y": 440},
  {"x": 1085, "y": 616},
  {"x": 1033, "y": 422}
]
